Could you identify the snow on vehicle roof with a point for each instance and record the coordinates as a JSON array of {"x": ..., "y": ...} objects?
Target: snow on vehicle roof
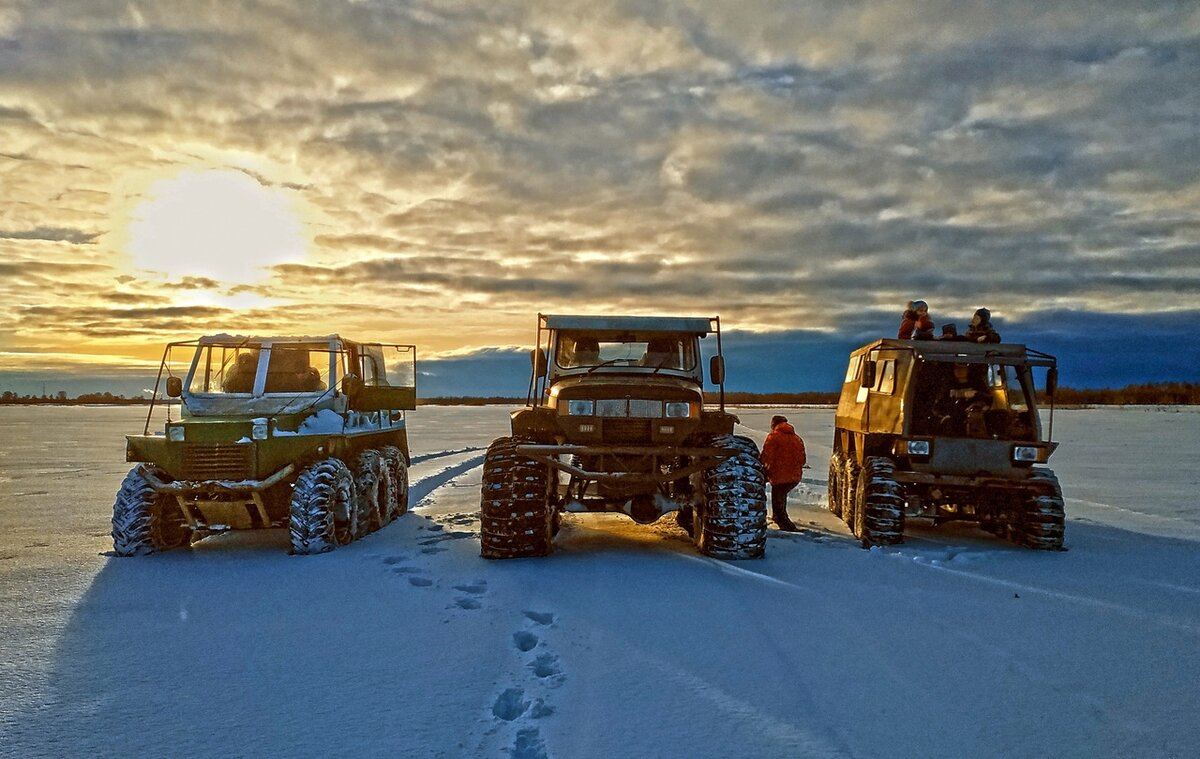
[{"x": 699, "y": 325}]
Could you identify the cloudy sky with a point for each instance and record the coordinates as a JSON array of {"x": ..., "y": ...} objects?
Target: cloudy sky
[{"x": 439, "y": 172}]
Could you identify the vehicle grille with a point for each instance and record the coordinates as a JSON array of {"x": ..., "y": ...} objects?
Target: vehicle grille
[
  {"x": 626, "y": 430},
  {"x": 218, "y": 462}
]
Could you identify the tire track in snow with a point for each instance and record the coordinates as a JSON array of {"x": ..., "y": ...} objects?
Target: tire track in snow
[
  {"x": 737, "y": 571},
  {"x": 1109, "y": 606},
  {"x": 440, "y": 454},
  {"x": 803, "y": 742},
  {"x": 1137, "y": 615},
  {"x": 422, "y": 488}
]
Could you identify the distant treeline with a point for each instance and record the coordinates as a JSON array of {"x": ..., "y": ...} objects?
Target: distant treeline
[
  {"x": 1152, "y": 394},
  {"x": 61, "y": 398},
  {"x": 1156, "y": 394},
  {"x": 774, "y": 399}
]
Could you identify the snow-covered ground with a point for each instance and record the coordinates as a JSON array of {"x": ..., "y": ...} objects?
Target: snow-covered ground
[{"x": 625, "y": 642}]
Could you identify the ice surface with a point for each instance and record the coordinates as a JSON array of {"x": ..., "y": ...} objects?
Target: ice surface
[{"x": 624, "y": 642}]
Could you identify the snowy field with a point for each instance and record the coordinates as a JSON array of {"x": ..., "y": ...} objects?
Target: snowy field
[{"x": 625, "y": 642}]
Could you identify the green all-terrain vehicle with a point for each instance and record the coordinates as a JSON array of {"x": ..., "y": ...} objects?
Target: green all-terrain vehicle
[
  {"x": 306, "y": 433},
  {"x": 615, "y": 422},
  {"x": 943, "y": 430}
]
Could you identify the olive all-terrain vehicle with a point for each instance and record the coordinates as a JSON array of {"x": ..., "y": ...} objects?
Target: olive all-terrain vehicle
[
  {"x": 306, "y": 433},
  {"x": 945, "y": 430},
  {"x": 615, "y": 422}
]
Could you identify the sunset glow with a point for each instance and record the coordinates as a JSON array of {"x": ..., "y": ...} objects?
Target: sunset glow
[
  {"x": 222, "y": 225},
  {"x": 419, "y": 174}
]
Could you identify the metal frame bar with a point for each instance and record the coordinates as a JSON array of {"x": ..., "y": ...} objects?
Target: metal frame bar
[{"x": 705, "y": 457}]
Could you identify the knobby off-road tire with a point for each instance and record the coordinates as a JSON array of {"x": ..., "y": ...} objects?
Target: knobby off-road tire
[
  {"x": 731, "y": 522},
  {"x": 322, "y": 510},
  {"x": 1040, "y": 523},
  {"x": 849, "y": 490},
  {"x": 515, "y": 513},
  {"x": 396, "y": 469},
  {"x": 144, "y": 521},
  {"x": 834, "y": 487},
  {"x": 879, "y": 513},
  {"x": 370, "y": 489}
]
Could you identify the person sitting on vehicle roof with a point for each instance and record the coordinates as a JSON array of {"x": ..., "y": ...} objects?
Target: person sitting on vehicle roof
[
  {"x": 981, "y": 329},
  {"x": 916, "y": 324},
  {"x": 950, "y": 332},
  {"x": 661, "y": 352}
]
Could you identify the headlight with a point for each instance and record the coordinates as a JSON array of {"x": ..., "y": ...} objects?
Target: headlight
[
  {"x": 1025, "y": 453},
  {"x": 581, "y": 408},
  {"x": 258, "y": 429},
  {"x": 918, "y": 447},
  {"x": 175, "y": 434},
  {"x": 677, "y": 410}
]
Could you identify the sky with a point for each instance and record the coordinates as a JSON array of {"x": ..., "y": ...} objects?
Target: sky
[{"x": 439, "y": 173}]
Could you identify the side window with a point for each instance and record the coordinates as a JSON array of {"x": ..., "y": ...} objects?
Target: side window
[
  {"x": 373, "y": 371},
  {"x": 852, "y": 369},
  {"x": 297, "y": 369},
  {"x": 886, "y": 371},
  {"x": 1017, "y": 399}
]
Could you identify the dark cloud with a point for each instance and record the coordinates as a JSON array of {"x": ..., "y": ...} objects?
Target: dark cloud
[
  {"x": 51, "y": 234},
  {"x": 195, "y": 283},
  {"x": 466, "y": 163},
  {"x": 133, "y": 299},
  {"x": 807, "y": 360}
]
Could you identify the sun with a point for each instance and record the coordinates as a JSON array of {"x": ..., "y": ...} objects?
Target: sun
[{"x": 219, "y": 224}]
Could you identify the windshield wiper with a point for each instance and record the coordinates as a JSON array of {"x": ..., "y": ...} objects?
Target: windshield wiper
[{"x": 609, "y": 362}]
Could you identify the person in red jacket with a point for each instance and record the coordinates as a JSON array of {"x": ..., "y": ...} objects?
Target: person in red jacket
[
  {"x": 783, "y": 461},
  {"x": 915, "y": 324}
]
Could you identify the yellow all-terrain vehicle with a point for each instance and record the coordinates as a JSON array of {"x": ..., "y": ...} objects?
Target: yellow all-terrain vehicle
[{"x": 944, "y": 430}]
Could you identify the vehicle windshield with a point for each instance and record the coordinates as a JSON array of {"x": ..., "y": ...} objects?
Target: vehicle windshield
[
  {"x": 233, "y": 369},
  {"x": 225, "y": 369},
  {"x": 657, "y": 350},
  {"x": 972, "y": 400}
]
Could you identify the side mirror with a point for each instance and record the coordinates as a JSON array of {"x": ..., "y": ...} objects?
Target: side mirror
[
  {"x": 537, "y": 357},
  {"x": 351, "y": 384},
  {"x": 716, "y": 370},
  {"x": 1051, "y": 380},
  {"x": 174, "y": 387},
  {"x": 868, "y": 374}
]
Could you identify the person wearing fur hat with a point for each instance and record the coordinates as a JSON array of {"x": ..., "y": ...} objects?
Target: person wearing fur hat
[
  {"x": 981, "y": 329},
  {"x": 783, "y": 459},
  {"x": 916, "y": 324}
]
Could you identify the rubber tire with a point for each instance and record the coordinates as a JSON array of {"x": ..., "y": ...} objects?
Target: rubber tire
[
  {"x": 1042, "y": 519},
  {"x": 515, "y": 514},
  {"x": 879, "y": 512},
  {"x": 396, "y": 467},
  {"x": 834, "y": 485},
  {"x": 370, "y": 489},
  {"x": 322, "y": 504},
  {"x": 145, "y": 521},
  {"x": 732, "y": 519},
  {"x": 849, "y": 487}
]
